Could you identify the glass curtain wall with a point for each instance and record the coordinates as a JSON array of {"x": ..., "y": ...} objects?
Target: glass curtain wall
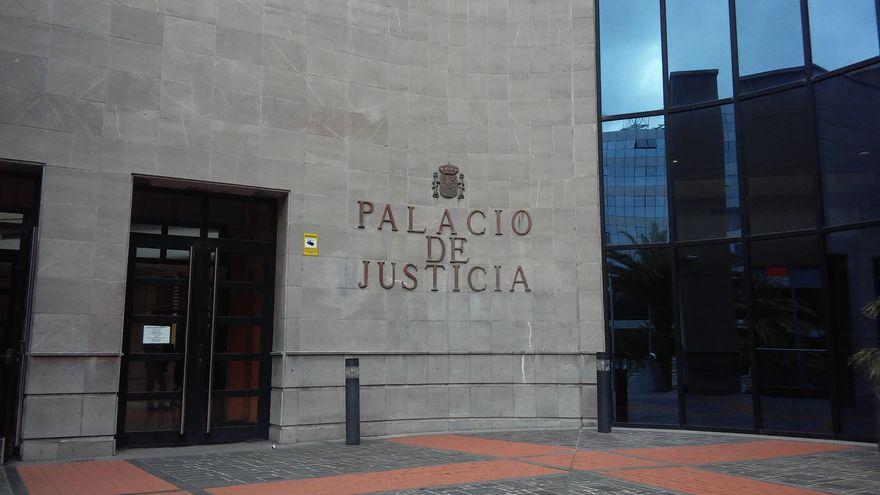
[{"x": 741, "y": 211}]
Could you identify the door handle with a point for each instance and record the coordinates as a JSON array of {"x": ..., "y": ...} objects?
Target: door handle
[
  {"x": 186, "y": 341},
  {"x": 211, "y": 348}
]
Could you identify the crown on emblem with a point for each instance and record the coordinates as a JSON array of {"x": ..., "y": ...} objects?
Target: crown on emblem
[{"x": 448, "y": 169}]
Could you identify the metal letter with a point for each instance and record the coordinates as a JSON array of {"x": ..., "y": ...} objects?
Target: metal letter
[
  {"x": 470, "y": 227},
  {"x": 409, "y": 275},
  {"x": 362, "y": 210},
  {"x": 430, "y": 259},
  {"x": 513, "y": 222},
  {"x": 471, "y": 279},
  {"x": 446, "y": 221},
  {"x": 516, "y": 279},
  {"x": 434, "y": 275},
  {"x": 365, "y": 282},
  {"x": 409, "y": 226},
  {"x": 388, "y": 217},
  {"x": 382, "y": 274},
  {"x": 456, "y": 249}
]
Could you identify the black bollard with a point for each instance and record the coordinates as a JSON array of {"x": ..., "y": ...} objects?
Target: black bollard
[
  {"x": 352, "y": 402},
  {"x": 603, "y": 385}
]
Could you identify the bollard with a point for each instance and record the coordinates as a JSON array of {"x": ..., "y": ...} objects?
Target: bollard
[
  {"x": 603, "y": 384},
  {"x": 352, "y": 402}
]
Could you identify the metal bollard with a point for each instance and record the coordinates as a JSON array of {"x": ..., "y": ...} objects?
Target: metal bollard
[
  {"x": 603, "y": 385},
  {"x": 352, "y": 402}
]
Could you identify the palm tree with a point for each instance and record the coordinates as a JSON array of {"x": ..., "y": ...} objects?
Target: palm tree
[
  {"x": 645, "y": 275},
  {"x": 867, "y": 360}
]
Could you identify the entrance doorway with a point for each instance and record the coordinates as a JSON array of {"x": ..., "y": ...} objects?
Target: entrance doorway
[
  {"x": 19, "y": 201},
  {"x": 198, "y": 326}
]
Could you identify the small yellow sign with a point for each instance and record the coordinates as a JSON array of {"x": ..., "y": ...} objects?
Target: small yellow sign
[{"x": 310, "y": 244}]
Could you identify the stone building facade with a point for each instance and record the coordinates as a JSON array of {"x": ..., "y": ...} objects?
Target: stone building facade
[{"x": 325, "y": 106}]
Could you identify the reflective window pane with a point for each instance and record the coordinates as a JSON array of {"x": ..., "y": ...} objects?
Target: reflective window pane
[
  {"x": 641, "y": 324},
  {"x": 632, "y": 66},
  {"x": 236, "y": 375},
  {"x": 239, "y": 302},
  {"x": 242, "y": 219},
  {"x": 155, "y": 376},
  {"x": 779, "y": 160},
  {"x": 698, "y": 46},
  {"x": 17, "y": 190},
  {"x": 150, "y": 206},
  {"x": 769, "y": 42},
  {"x": 848, "y": 111},
  {"x": 241, "y": 267},
  {"x": 152, "y": 415},
  {"x": 234, "y": 411},
  {"x": 702, "y": 151},
  {"x": 788, "y": 319},
  {"x": 714, "y": 337},
  {"x": 787, "y": 294},
  {"x": 842, "y": 32},
  {"x": 161, "y": 300},
  {"x": 634, "y": 173},
  {"x": 237, "y": 338},
  {"x": 795, "y": 391},
  {"x": 854, "y": 268}
]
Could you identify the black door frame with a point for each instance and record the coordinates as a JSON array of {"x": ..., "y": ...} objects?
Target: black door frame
[
  {"x": 14, "y": 372},
  {"x": 200, "y": 323}
]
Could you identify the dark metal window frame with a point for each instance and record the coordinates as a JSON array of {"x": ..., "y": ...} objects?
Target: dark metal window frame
[{"x": 746, "y": 237}]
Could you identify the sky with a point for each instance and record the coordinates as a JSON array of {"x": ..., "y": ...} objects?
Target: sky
[{"x": 769, "y": 38}]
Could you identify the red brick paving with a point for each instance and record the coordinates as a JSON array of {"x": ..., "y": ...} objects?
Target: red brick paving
[
  {"x": 92, "y": 478},
  {"x": 483, "y": 446},
  {"x": 699, "y": 482},
  {"x": 731, "y": 452},
  {"x": 398, "y": 479},
  {"x": 592, "y": 461}
]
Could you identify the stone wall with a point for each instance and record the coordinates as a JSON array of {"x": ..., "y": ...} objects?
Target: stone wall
[{"x": 335, "y": 101}]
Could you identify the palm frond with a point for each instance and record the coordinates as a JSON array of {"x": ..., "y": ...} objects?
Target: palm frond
[
  {"x": 872, "y": 309},
  {"x": 867, "y": 361}
]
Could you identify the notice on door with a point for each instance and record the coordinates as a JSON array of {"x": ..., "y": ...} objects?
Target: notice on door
[
  {"x": 157, "y": 334},
  {"x": 310, "y": 244}
]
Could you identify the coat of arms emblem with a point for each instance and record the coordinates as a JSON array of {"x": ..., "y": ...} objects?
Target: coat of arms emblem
[{"x": 448, "y": 182}]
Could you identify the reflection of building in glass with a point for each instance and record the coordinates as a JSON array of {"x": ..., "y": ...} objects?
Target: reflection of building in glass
[
  {"x": 693, "y": 86},
  {"x": 634, "y": 164},
  {"x": 748, "y": 289}
]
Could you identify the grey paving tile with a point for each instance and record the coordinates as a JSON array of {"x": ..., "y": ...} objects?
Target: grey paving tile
[
  {"x": 850, "y": 472},
  {"x": 618, "y": 439},
  {"x": 575, "y": 484},
  {"x": 5, "y": 489},
  {"x": 295, "y": 462}
]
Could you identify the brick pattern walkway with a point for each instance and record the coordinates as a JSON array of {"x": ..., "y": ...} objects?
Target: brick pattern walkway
[{"x": 631, "y": 462}]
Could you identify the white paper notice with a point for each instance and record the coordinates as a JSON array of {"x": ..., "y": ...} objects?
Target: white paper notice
[{"x": 157, "y": 334}]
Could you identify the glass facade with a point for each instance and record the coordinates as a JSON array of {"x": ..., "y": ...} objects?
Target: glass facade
[{"x": 741, "y": 212}]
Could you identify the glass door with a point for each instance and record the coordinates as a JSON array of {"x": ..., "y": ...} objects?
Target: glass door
[
  {"x": 196, "y": 364},
  {"x": 238, "y": 340},
  {"x": 19, "y": 193},
  {"x": 157, "y": 353}
]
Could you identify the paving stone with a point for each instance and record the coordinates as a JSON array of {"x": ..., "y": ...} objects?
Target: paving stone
[
  {"x": 850, "y": 472},
  {"x": 5, "y": 489},
  {"x": 296, "y": 462}
]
